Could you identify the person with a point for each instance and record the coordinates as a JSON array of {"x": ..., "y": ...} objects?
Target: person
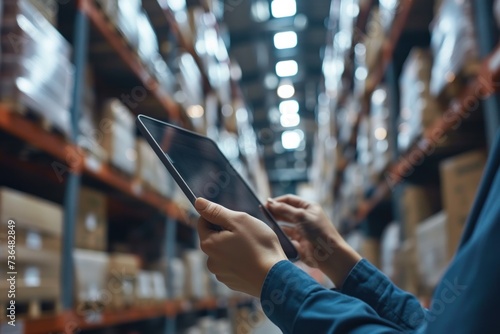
[{"x": 246, "y": 256}]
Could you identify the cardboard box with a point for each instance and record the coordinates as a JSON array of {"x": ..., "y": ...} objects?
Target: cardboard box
[
  {"x": 418, "y": 203},
  {"x": 91, "y": 220},
  {"x": 196, "y": 277},
  {"x": 119, "y": 136},
  {"x": 91, "y": 273},
  {"x": 122, "y": 279},
  {"x": 178, "y": 279},
  {"x": 432, "y": 249},
  {"x": 34, "y": 282},
  {"x": 151, "y": 287},
  {"x": 460, "y": 178},
  {"x": 43, "y": 216}
]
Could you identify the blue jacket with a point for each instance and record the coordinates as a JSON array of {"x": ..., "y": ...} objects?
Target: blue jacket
[{"x": 467, "y": 300}]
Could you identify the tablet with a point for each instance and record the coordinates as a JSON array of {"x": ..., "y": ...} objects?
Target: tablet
[{"x": 201, "y": 170}]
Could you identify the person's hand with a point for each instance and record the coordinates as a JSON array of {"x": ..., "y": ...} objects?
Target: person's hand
[
  {"x": 242, "y": 252},
  {"x": 318, "y": 242}
]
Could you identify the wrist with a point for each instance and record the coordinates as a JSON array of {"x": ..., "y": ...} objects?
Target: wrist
[{"x": 340, "y": 263}]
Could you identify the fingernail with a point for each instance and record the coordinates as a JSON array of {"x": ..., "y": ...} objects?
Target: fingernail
[
  {"x": 200, "y": 204},
  {"x": 270, "y": 200}
]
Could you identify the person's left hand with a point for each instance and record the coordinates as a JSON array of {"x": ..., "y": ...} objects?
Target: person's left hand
[{"x": 243, "y": 252}]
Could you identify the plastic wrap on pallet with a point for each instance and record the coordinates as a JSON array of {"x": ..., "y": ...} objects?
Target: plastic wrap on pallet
[
  {"x": 148, "y": 42},
  {"x": 388, "y": 10},
  {"x": 35, "y": 66},
  {"x": 419, "y": 109},
  {"x": 379, "y": 129},
  {"x": 48, "y": 8},
  {"x": 129, "y": 13},
  {"x": 453, "y": 43},
  {"x": 190, "y": 80},
  {"x": 119, "y": 136}
]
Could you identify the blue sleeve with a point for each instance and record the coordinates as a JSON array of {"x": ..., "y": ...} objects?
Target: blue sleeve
[
  {"x": 368, "y": 284},
  {"x": 297, "y": 304}
]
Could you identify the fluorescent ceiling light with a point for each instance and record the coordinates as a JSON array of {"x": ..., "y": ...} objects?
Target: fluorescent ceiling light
[
  {"x": 271, "y": 81},
  {"x": 287, "y": 68},
  {"x": 260, "y": 11},
  {"x": 285, "y": 40},
  {"x": 289, "y": 107},
  {"x": 286, "y": 91},
  {"x": 283, "y": 8},
  {"x": 291, "y": 140},
  {"x": 195, "y": 111},
  {"x": 289, "y": 120}
]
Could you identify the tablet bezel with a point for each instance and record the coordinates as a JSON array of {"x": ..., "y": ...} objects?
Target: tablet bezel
[{"x": 184, "y": 186}]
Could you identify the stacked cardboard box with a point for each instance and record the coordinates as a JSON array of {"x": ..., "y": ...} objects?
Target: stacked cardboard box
[
  {"x": 419, "y": 109},
  {"x": 38, "y": 230},
  {"x": 454, "y": 46},
  {"x": 119, "y": 136},
  {"x": 122, "y": 279},
  {"x": 35, "y": 70},
  {"x": 418, "y": 204},
  {"x": 91, "y": 220},
  {"x": 151, "y": 287},
  {"x": 196, "y": 275},
  {"x": 92, "y": 290},
  {"x": 460, "y": 178},
  {"x": 150, "y": 170}
]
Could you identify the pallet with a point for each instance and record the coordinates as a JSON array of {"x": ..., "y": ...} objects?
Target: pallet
[
  {"x": 34, "y": 116},
  {"x": 34, "y": 308}
]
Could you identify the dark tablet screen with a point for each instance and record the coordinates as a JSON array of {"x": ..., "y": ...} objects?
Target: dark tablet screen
[{"x": 207, "y": 173}]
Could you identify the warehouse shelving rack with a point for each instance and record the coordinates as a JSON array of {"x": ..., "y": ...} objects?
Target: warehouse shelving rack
[
  {"x": 484, "y": 88},
  {"x": 70, "y": 164}
]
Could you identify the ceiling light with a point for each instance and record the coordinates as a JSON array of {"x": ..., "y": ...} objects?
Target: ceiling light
[
  {"x": 379, "y": 96},
  {"x": 289, "y": 120},
  {"x": 260, "y": 11},
  {"x": 285, "y": 40},
  {"x": 271, "y": 81},
  {"x": 283, "y": 8},
  {"x": 380, "y": 133},
  {"x": 289, "y": 107},
  {"x": 286, "y": 91},
  {"x": 287, "y": 68},
  {"x": 195, "y": 111},
  {"x": 361, "y": 73},
  {"x": 291, "y": 140}
]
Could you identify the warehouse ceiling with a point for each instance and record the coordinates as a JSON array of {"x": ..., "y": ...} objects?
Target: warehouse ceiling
[{"x": 252, "y": 28}]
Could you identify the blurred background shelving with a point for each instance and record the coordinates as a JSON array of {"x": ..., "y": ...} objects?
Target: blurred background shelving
[{"x": 380, "y": 110}]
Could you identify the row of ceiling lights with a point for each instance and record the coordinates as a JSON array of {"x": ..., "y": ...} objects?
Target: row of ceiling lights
[{"x": 289, "y": 108}]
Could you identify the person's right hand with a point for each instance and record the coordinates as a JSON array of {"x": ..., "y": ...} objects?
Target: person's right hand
[{"x": 317, "y": 240}]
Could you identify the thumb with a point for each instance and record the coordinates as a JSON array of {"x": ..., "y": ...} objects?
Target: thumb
[{"x": 214, "y": 213}]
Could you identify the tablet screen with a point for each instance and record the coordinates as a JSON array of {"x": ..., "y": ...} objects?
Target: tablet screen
[{"x": 207, "y": 172}]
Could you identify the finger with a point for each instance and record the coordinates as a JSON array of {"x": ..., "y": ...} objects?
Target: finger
[
  {"x": 292, "y": 200},
  {"x": 215, "y": 213},
  {"x": 285, "y": 212},
  {"x": 290, "y": 232},
  {"x": 204, "y": 228}
]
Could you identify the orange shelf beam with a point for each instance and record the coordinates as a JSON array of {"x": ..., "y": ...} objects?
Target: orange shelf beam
[
  {"x": 72, "y": 156},
  {"x": 33, "y": 134},
  {"x": 71, "y": 322},
  {"x": 130, "y": 58}
]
